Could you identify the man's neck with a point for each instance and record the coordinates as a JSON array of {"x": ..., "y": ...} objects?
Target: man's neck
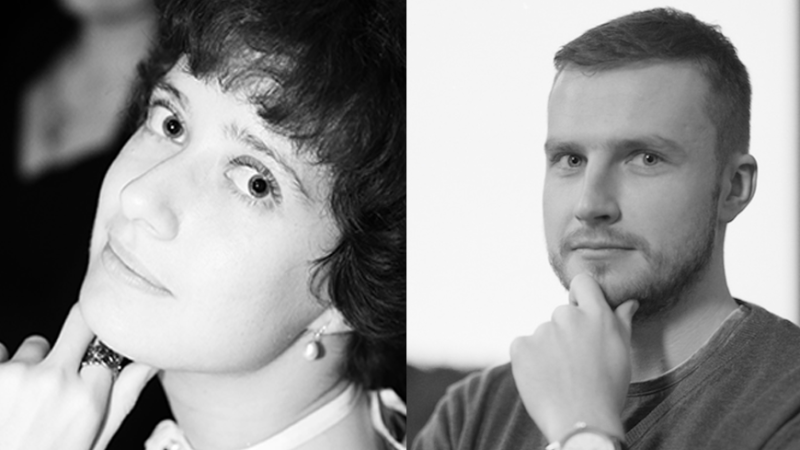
[{"x": 662, "y": 343}]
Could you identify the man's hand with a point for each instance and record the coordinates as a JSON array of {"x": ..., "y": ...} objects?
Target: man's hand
[
  {"x": 48, "y": 402},
  {"x": 577, "y": 367}
]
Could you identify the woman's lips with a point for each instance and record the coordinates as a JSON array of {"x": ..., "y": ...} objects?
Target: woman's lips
[{"x": 127, "y": 268}]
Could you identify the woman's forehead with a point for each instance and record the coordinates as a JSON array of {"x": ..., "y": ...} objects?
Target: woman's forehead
[{"x": 236, "y": 115}]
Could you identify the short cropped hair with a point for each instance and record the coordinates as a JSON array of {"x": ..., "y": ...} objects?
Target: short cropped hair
[
  {"x": 330, "y": 75},
  {"x": 667, "y": 35}
]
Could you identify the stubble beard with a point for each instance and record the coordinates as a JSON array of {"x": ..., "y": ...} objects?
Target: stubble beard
[{"x": 665, "y": 279}]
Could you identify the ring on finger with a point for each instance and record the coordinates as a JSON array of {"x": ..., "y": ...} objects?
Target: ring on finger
[{"x": 98, "y": 354}]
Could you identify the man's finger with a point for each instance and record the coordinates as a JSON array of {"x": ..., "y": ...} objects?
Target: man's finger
[
  {"x": 3, "y": 353},
  {"x": 32, "y": 350},
  {"x": 625, "y": 314},
  {"x": 73, "y": 339},
  {"x": 584, "y": 292}
]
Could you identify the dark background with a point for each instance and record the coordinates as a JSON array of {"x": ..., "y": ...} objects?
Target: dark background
[{"x": 48, "y": 225}]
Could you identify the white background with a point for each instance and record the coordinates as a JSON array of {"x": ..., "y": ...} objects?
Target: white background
[{"x": 479, "y": 73}]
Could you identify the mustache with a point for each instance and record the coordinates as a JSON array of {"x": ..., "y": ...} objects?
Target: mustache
[{"x": 600, "y": 238}]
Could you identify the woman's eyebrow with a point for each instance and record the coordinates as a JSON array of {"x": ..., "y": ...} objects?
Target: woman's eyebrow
[
  {"x": 172, "y": 91},
  {"x": 252, "y": 141}
]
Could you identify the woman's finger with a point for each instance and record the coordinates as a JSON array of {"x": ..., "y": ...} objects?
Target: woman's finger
[
  {"x": 124, "y": 394},
  {"x": 73, "y": 339},
  {"x": 100, "y": 380},
  {"x": 32, "y": 350}
]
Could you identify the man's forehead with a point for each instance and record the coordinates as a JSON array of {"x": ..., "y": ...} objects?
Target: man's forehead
[
  {"x": 664, "y": 99},
  {"x": 655, "y": 76}
]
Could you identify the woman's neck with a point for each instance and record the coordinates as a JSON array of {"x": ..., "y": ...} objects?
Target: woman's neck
[{"x": 234, "y": 411}]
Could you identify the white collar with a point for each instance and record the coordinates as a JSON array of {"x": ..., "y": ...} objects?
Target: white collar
[{"x": 168, "y": 436}]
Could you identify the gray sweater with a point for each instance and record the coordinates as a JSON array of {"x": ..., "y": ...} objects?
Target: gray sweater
[{"x": 740, "y": 391}]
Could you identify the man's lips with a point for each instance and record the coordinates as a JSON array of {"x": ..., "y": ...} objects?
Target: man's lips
[
  {"x": 602, "y": 244},
  {"x": 126, "y": 266},
  {"x": 599, "y": 251},
  {"x": 593, "y": 245}
]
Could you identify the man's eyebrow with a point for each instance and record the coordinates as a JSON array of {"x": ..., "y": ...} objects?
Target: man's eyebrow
[
  {"x": 650, "y": 141},
  {"x": 654, "y": 142},
  {"x": 256, "y": 144},
  {"x": 172, "y": 91},
  {"x": 555, "y": 146}
]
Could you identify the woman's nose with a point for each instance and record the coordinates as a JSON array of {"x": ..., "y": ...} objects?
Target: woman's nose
[{"x": 146, "y": 201}]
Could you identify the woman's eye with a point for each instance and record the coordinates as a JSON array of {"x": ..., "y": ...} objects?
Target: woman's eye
[
  {"x": 252, "y": 180},
  {"x": 163, "y": 121},
  {"x": 259, "y": 186},
  {"x": 173, "y": 128}
]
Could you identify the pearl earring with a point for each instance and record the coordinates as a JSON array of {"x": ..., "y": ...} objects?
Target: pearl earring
[{"x": 314, "y": 348}]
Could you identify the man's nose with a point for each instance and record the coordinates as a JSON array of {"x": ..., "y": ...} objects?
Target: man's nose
[{"x": 598, "y": 201}]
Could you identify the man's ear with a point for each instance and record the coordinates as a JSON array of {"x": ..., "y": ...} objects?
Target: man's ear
[{"x": 738, "y": 186}]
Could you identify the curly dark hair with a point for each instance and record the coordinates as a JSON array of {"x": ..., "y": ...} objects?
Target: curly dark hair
[
  {"x": 666, "y": 34},
  {"x": 337, "y": 89}
]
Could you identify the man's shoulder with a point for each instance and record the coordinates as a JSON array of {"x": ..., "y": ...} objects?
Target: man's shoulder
[
  {"x": 761, "y": 316},
  {"x": 745, "y": 395},
  {"x": 770, "y": 335},
  {"x": 482, "y": 394},
  {"x": 483, "y": 410},
  {"x": 764, "y": 352},
  {"x": 492, "y": 383}
]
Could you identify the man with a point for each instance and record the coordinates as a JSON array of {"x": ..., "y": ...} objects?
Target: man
[{"x": 647, "y": 163}]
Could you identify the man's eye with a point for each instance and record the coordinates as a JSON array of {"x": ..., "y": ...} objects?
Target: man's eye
[
  {"x": 650, "y": 159},
  {"x": 567, "y": 161},
  {"x": 646, "y": 159},
  {"x": 574, "y": 160}
]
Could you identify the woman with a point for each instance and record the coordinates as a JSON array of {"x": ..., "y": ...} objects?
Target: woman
[{"x": 249, "y": 243}]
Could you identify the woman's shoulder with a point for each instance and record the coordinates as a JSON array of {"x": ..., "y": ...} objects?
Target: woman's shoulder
[{"x": 388, "y": 412}]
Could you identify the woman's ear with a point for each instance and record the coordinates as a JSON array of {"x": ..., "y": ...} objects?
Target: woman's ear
[
  {"x": 738, "y": 186},
  {"x": 333, "y": 322}
]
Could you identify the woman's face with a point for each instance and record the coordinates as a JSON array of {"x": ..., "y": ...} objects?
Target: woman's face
[{"x": 205, "y": 234}]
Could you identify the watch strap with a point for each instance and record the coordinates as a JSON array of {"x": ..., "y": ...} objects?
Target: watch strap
[{"x": 582, "y": 427}]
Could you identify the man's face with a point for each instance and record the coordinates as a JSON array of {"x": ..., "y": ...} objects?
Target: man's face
[{"x": 631, "y": 188}]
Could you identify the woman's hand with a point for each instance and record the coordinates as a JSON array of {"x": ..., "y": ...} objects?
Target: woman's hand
[{"x": 47, "y": 401}]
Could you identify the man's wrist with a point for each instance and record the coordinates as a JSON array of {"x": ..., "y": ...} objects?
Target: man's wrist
[{"x": 584, "y": 437}]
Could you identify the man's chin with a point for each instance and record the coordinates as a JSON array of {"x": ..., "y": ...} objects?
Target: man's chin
[
  {"x": 617, "y": 294},
  {"x": 616, "y": 288}
]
